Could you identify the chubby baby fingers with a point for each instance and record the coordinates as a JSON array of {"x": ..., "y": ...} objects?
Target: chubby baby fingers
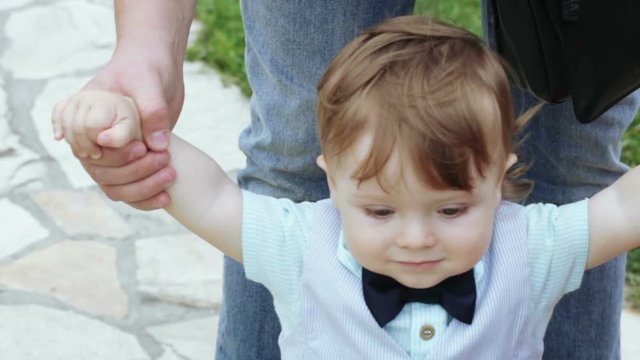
[
  {"x": 118, "y": 135},
  {"x": 115, "y": 122},
  {"x": 56, "y": 118},
  {"x": 75, "y": 131}
]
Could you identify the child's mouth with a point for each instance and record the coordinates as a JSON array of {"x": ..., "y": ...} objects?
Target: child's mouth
[{"x": 420, "y": 265}]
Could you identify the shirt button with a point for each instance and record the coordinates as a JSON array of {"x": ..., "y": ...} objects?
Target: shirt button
[{"x": 427, "y": 332}]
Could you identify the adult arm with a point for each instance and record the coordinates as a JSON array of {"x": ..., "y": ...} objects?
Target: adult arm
[{"x": 147, "y": 67}]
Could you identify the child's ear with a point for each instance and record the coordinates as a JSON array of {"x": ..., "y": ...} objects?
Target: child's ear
[
  {"x": 322, "y": 163},
  {"x": 511, "y": 160}
]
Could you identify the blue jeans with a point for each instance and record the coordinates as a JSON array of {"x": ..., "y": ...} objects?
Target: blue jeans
[{"x": 289, "y": 44}]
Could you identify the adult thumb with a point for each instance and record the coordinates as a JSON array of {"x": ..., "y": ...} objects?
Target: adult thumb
[{"x": 155, "y": 121}]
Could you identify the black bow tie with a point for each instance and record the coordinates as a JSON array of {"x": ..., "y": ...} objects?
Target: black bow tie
[{"x": 385, "y": 297}]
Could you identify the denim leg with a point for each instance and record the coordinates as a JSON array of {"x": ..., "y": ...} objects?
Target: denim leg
[
  {"x": 571, "y": 161},
  {"x": 289, "y": 44}
]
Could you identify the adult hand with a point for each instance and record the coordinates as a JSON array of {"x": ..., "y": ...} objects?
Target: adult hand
[
  {"x": 147, "y": 67},
  {"x": 139, "y": 172}
]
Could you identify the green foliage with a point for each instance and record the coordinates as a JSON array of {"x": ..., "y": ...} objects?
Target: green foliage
[
  {"x": 221, "y": 40},
  {"x": 221, "y": 45},
  {"x": 633, "y": 266},
  {"x": 633, "y": 278},
  {"x": 633, "y": 296},
  {"x": 631, "y": 143},
  {"x": 631, "y": 156},
  {"x": 464, "y": 13}
]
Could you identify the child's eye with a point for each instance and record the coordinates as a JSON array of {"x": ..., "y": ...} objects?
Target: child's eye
[
  {"x": 379, "y": 213},
  {"x": 451, "y": 212}
]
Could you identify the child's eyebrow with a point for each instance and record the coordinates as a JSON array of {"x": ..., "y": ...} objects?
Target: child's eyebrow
[{"x": 370, "y": 195}]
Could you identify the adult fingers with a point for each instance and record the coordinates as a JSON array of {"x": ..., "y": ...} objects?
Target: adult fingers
[
  {"x": 115, "y": 157},
  {"x": 142, "y": 190},
  {"x": 134, "y": 171}
]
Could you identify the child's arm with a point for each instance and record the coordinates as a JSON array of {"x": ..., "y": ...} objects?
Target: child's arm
[
  {"x": 204, "y": 199},
  {"x": 614, "y": 219}
]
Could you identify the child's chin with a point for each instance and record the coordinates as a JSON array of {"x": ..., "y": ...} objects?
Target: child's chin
[{"x": 420, "y": 282}]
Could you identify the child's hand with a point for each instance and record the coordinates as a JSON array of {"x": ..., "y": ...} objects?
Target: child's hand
[{"x": 93, "y": 119}]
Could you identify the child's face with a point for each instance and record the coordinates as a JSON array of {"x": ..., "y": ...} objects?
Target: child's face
[{"x": 413, "y": 233}]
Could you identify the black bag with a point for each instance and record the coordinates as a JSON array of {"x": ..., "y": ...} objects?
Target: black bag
[{"x": 586, "y": 50}]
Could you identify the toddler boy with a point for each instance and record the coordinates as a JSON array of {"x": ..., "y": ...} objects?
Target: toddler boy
[{"x": 419, "y": 253}]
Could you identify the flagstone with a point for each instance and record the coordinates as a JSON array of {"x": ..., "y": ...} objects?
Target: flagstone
[
  {"x": 32, "y": 332},
  {"x": 4, "y": 121},
  {"x": 10, "y": 4},
  {"x": 17, "y": 163},
  {"x": 169, "y": 354},
  {"x": 192, "y": 339},
  {"x": 23, "y": 231},
  {"x": 630, "y": 328},
  {"x": 58, "y": 38},
  {"x": 179, "y": 268},
  {"x": 82, "y": 274},
  {"x": 19, "y": 166},
  {"x": 82, "y": 212}
]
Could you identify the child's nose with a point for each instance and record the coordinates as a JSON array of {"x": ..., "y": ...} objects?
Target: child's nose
[{"x": 417, "y": 234}]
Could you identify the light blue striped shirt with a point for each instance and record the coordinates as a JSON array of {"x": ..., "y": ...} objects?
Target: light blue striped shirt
[{"x": 275, "y": 233}]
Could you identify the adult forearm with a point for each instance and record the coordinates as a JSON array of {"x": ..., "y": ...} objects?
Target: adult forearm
[{"x": 158, "y": 28}]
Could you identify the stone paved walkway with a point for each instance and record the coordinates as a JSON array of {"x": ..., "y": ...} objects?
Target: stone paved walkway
[{"x": 82, "y": 277}]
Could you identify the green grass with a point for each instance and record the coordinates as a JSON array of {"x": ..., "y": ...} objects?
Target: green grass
[
  {"x": 221, "y": 40},
  {"x": 464, "y": 13},
  {"x": 631, "y": 156},
  {"x": 221, "y": 45}
]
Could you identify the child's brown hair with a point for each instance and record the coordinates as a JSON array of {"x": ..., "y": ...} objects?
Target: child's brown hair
[{"x": 427, "y": 88}]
